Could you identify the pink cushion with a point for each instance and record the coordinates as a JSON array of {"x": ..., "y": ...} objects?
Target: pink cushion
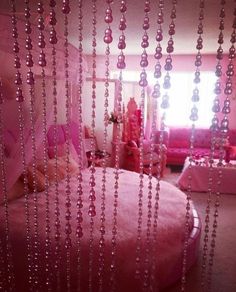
[
  {"x": 9, "y": 142},
  {"x": 15, "y": 192},
  {"x": 60, "y": 136},
  {"x": 39, "y": 179}
]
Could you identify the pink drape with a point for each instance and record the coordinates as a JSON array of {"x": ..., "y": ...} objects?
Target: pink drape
[{"x": 13, "y": 162}]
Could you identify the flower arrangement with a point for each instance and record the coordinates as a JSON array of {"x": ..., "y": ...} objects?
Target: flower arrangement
[{"x": 114, "y": 118}]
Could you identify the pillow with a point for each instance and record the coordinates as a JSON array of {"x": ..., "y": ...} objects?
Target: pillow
[
  {"x": 61, "y": 151},
  {"x": 61, "y": 172},
  {"x": 62, "y": 164},
  {"x": 39, "y": 178},
  {"x": 61, "y": 168},
  {"x": 9, "y": 142},
  {"x": 15, "y": 192},
  {"x": 87, "y": 132}
]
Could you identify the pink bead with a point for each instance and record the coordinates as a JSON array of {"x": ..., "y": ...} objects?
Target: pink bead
[
  {"x": 159, "y": 36},
  {"x": 18, "y": 80},
  {"x": 123, "y": 7},
  {"x": 53, "y": 37},
  {"x": 173, "y": 15},
  {"x": 168, "y": 67},
  {"x": 144, "y": 44},
  {"x": 16, "y": 48},
  {"x": 122, "y": 25},
  {"x": 147, "y": 6},
  {"x": 217, "y": 89},
  {"x": 144, "y": 63},
  {"x": 41, "y": 23},
  {"x": 41, "y": 42},
  {"x": 28, "y": 43},
  {"x": 121, "y": 58},
  {"x": 170, "y": 49},
  {"x": 29, "y": 60},
  {"x": 28, "y": 29},
  {"x": 216, "y": 106},
  {"x": 143, "y": 82},
  {"x": 19, "y": 95},
  {"x": 224, "y": 125},
  {"x": 27, "y": 12},
  {"x": 92, "y": 211},
  {"x": 15, "y": 34},
  {"x": 52, "y": 3},
  {"x": 17, "y": 63},
  {"x": 107, "y": 39},
  {"x": 42, "y": 59},
  {"x": 221, "y": 26},
  {"x": 108, "y": 18},
  {"x": 222, "y": 13},
  {"x": 53, "y": 20},
  {"x": 165, "y": 102},
  {"x": 121, "y": 45},
  {"x": 40, "y": 9},
  {"x": 30, "y": 78},
  {"x": 160, "y": 18},
  {"x": 66, "y": 7}
]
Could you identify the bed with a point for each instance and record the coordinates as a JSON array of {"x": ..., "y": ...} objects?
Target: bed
[{"x": 170, "y": 232}]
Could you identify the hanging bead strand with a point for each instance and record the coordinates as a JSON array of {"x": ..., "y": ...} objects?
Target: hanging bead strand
[
  {"x": 31, "y": 82},
  {"x": 101, "y": 261},
  {"x": 3, "y": 284},
  {"x": 168, "y": 63},
  {"x": 143, "y": 83},
  {"x": 193, "y": 117},
  {"x": 53, "y": 41},
  {"x": 144, "y": 65},
  {"x": 79, "y": 230},
  {"x": 92, "y": 183},
  {"x": 66, "y": 10},
  {"x": 118, "y": 110},
  {"x": 214, "y": 132},
  {"x": 20, "y": 99},
  {"x": 155, "y": 95},
  {"x": 224, "y": 128},
  {"x": 42, "y": 62},
  {"x": 7, "y": 244},
  {"x": 168, "y": 68}
]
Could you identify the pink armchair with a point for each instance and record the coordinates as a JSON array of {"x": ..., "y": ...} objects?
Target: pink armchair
[{"x": 132, "y": 157}]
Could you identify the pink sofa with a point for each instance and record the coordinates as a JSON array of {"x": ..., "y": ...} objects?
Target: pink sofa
[{"x": 177, "y": 141}]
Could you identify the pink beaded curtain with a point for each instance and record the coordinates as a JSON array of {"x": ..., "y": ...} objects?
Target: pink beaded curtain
[
  {"x": 58, "y": 61},
  {"x": 11, "y": 128}
]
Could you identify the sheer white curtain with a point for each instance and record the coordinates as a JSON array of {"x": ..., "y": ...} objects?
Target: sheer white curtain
[{"x": 180, "y": 99}]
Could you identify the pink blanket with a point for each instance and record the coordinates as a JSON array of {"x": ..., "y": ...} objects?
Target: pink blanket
[
  {"x": 170, "y": 231},
  {"x": 200, "y": 178}
]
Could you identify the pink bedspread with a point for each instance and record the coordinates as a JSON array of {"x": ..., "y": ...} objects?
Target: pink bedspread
[{"x": 170, "y": 231}]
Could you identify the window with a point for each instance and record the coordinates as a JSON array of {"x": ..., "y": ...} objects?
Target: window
[
  {"x": 180, "y": 96},
  {"x": 180, "y": 99}
]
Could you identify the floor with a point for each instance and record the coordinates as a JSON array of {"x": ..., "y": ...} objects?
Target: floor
[{"x": 224, "y": 268}]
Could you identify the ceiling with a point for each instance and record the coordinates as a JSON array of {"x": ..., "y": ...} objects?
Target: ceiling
[{"x": 186, "y": 24}]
